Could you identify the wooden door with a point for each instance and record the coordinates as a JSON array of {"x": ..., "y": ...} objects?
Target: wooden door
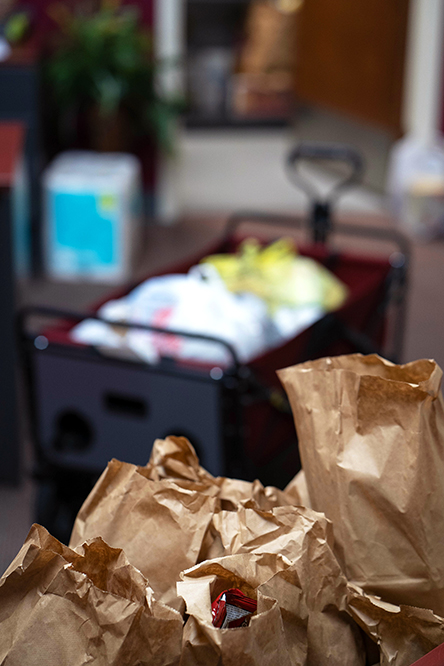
[{"x": 350, "y": 57}]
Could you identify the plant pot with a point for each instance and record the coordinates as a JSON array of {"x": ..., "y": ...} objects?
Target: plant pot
[{"x": 109, "y": 133}]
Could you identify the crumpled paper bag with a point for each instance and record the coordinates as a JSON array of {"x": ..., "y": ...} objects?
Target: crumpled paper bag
[
  {"x": 403, "y": 633},
  {"x": 172, "y": 515},
  {"x": 163, "y": 512},
  {"x": 59, "y": 607},
  {"x": 159, "y": 524},
  {"x": 371, "y": 437},
  {"x": 174, "y": 458},
  {"x": 286, "y": 555},
  {"x": 285, "y": 530},
  {"x": 262, "y": 643},
  {"x": 296, "y": 490},
  {"x": 314, "y": 573}
]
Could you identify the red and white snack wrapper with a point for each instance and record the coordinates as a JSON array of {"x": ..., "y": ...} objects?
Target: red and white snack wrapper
[{"x": 232, "y": 608}]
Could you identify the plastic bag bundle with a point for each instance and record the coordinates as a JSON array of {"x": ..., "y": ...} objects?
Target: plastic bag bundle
[
  {"x": 196, "y": 303},
  {"x": 253, "y": 301},
  {"x": 280, "y": 276}
]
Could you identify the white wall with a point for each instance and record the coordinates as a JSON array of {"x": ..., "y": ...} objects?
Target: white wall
[
  {"x": 424, "y": 70},
  {"x": 169, "y": 48},
  {"x": 227, "y": 170}
]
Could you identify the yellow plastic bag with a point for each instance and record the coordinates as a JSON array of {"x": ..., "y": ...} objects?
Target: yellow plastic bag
[{"x": 278, "y": 275}]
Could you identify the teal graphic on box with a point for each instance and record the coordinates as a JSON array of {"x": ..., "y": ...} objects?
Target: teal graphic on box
[
  {"x": 85, "y": 230},
  {"x": 91, "y": 215}
]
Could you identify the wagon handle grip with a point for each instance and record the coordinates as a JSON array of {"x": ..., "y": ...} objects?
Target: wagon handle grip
[
  {"x": 334, "y": 152},
  {"x": 320, "y": 218}
]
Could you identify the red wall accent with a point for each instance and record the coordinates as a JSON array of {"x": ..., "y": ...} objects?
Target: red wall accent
[{"x": 44, "y": 24}]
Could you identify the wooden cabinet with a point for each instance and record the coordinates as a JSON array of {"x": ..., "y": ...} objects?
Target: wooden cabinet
[{"x": 350, "y": 58}]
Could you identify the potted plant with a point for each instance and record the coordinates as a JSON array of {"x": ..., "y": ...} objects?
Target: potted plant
[{"x": 102, "y": 75}]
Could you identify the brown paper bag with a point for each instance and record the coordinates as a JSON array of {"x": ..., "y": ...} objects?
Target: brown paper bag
[
  {"x": 262, "y": 643},
  {"x": 297, "y": 492},
  {"x": 246, "y": 571},
  {"x": 371, "y": 437},
  {"x": 174, "y": 461},
  {"x": 253, "y": 529},
  {"x": 313, "y": 589},
  {"x": 159, "y": 525},
  {"x": 163, "y": 512},
  {"x": 285, "y": 554},
  {"x": 64, "y": 608},
  {"x": 174, "y": 458},
  {"x": 284, "y": 530},
  {"x": 403, "y": 633}
]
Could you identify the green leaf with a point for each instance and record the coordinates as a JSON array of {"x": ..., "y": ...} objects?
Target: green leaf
[{"x": 105, "y": 60}]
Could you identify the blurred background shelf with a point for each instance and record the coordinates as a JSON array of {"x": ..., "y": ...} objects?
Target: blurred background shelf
[
  {"x": 196, "y": 121},
  {"x": 239, "y": 61}
]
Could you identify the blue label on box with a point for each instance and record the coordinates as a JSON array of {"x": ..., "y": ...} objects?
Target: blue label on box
[{"x": 85, "y": 225}]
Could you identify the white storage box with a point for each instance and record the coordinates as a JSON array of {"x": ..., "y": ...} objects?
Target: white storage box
[{"x": 92, "y": 210}]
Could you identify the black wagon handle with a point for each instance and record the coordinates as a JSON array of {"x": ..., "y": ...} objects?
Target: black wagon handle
[
  {"x": 307, "y": 151},
  {"x": 55, "y": 313},
  {"x": 321, "y": 218}
]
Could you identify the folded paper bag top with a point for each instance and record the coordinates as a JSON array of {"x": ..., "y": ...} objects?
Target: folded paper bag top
[
  {"x": 371, "y": 437},
  {"x": 404, "y": 634},
  {"x": 61, "y": 607}
]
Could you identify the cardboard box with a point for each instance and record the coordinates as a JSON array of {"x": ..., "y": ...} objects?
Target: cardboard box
[{"x": 91, "y": 214}]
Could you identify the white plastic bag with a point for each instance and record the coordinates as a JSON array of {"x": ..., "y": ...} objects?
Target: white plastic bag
[
  {"x": 197, "y": 303},
  {"x": 415, "y": 185}
]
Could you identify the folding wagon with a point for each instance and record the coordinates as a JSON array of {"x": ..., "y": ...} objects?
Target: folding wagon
[{"x": 87, "y": 407}]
